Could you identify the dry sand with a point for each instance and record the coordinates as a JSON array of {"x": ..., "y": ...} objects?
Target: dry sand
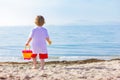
[{"x": 91, "y": 69}]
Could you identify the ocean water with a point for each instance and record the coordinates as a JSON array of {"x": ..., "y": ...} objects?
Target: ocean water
[{"x": 75, "y": 42}]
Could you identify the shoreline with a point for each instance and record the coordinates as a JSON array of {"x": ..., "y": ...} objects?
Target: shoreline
[
  {"x": 92, "y": 60},
  {"x": 59, "y": 62},
  {"x": 59, "y": 58}
]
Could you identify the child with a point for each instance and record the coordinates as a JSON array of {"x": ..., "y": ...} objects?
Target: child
[{"x": 39, "y": 36}]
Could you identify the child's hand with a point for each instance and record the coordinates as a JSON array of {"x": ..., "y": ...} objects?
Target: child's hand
[
  {"x": 27, "y": 44},
  {"x": 50, "y": 42}
]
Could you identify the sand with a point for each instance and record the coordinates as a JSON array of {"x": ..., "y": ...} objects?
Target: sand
[{"x": 91, "y": 69}]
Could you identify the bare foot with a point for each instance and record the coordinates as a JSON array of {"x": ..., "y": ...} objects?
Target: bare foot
[
  {"x": 41, "y": 68},
  {"x": 34, "y": 67}
]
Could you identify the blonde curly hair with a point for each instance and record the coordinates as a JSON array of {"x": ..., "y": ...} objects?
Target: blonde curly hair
[{"x": 39, "y": 20}]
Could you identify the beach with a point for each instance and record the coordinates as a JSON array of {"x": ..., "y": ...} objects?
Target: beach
[{"x": 90, "y": 69}]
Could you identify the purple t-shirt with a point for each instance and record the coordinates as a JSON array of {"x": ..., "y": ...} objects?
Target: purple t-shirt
[{"x": 39, "y": 35}]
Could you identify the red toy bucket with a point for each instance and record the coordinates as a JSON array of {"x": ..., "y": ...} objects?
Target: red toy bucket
[{"x": 27, "y": 53}]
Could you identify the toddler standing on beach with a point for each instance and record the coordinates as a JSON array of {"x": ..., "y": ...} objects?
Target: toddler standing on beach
[{"x": 39, "y": 36}]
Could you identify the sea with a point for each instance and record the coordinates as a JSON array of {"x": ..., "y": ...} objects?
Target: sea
[{"x": 69, "y": 42}]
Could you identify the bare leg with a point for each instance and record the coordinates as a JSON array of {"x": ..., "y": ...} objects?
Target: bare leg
[
  {"x": 34, "y": 63},
  {"x": 42, "y": 64}
]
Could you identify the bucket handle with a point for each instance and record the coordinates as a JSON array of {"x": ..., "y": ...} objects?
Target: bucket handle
[{"x": 27, "y": 47}]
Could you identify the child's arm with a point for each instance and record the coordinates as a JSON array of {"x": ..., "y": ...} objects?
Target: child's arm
[
  {"x": 49, "y": 41},
  {"x": 29, "y": 40}
]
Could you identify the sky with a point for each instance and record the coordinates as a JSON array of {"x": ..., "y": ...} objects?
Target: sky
[{"x": 60, "y": 12}]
